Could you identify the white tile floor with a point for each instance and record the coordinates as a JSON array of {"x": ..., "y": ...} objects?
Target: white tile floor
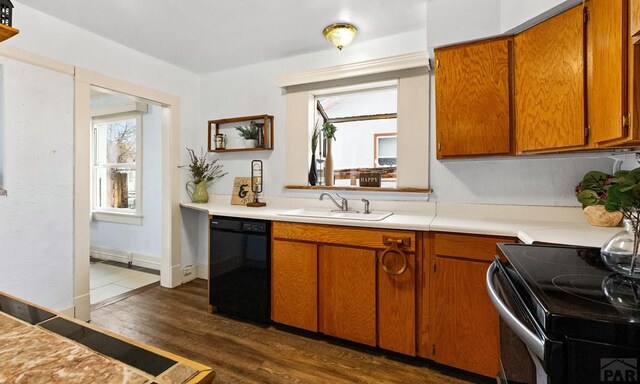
[{"x": 107, "y": 281}]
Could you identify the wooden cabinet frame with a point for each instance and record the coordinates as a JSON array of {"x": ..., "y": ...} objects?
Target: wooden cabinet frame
[
  {"x": 267, "y": 132},
  {"x": 381, "y": 309}
]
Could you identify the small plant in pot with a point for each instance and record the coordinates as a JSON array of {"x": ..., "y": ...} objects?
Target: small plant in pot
[
  {"x": 250, "y": 134},
  {"x": 592, "y": 193}
]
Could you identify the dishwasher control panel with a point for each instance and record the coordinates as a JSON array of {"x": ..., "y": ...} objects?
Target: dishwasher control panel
[{"x": 254, "y": 227}]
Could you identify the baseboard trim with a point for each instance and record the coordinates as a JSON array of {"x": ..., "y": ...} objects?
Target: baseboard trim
[
  {"x": 71, "y": 311},
  {"x": 203, "y": 271},
  {"x": 146, "y": 261},
  {"x": 82, "y": 307}
]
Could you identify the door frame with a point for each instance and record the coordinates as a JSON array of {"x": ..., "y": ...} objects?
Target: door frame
[{"x": 170, "y": 265}]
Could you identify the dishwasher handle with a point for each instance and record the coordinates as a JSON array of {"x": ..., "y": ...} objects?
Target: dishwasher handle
[{"x": 531, "y": 340}]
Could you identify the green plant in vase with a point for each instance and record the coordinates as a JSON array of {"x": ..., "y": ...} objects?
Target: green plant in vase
[
  {"x": 329, "y": 132},
  {"x": 202, "y": 171},
  {"x": 617, "y": 193}
]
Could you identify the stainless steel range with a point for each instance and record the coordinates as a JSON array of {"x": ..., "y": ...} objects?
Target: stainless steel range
[{"x": 564, "y": 317}]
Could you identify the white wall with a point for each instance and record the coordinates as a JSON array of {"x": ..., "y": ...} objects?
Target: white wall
[
  {"x": 513, "y": 13},
  {"x": 453, "y": 21},
  {"x": 51, "y": 281},
  {"x": 140, "y": 239},
  {"x": 36, "y": 230},
  {"x": 253, "y": 90}
]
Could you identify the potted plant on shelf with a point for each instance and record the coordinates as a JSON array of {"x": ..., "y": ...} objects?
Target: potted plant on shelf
[
  {"x": 250, "y": 134},
  {"x": 202, "y": 171},
  {"x": 619, "y": 194},
  {"x": 329, "y": 131}
]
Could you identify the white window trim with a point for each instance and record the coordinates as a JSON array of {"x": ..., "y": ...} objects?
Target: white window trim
[
  {"x": 413, "y": 113},
  {"x": 115, "y": 215},
  {"x": 377, "y": 150}
]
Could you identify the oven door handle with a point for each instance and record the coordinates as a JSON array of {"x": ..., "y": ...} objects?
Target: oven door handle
[{"x": 531, "y": 340}]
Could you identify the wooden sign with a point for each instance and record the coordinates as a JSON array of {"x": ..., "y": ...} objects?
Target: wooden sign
[
  {"x": 241, "y": 194},
  {"x": 370, "y": 179}
]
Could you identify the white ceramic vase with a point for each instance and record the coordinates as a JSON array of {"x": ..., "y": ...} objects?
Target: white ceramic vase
[{"x": 250, "y": 143}]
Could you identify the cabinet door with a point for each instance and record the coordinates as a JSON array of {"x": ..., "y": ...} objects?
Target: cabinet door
[
  {"x": 294, "y": 284},
  {"x": 397, "y": 303},
  {"x": 549, "y": 85},
  {"x": 634, "y": 17},
  {"x": 348, "y": 293},
  {"x": 607, "y": 70},
  {"x": 464, "y": 324},
  {"x": 473, "y": 96}
]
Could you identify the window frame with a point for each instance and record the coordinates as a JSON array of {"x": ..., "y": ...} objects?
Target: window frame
[
  {"x": 117, "y": 215},
  {"x": 376, "y": 145},
  {"x": 414, "y": 106}
]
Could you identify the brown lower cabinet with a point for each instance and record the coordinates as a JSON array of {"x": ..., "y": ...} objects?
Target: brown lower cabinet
[
  {"x": 294, "y": 284},
  {"x": 429, "y": 299},
  {"x": 332, "y": 279},
  {"x": 463, "y": 325},
  {"x": 348, "y": 293}
]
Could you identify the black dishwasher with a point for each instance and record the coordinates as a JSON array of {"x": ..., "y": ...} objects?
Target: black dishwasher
[{"x": 240, "y": 267}]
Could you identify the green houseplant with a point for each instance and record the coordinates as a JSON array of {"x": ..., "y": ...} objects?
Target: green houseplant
[
  {"x": 249, "y": 133},
  {"x": 202, "y": 171},
  {"x": 618, "y": 193},
  {"x": 329, "y": 132},
  {"x": 592, "y": 193}
]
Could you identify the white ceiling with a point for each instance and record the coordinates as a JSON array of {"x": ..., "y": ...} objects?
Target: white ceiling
[{"x": 209, "y": 35}]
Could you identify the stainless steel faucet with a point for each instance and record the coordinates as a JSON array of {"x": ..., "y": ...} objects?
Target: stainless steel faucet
[
  {"x": 366, "y": 206},
  {"x": 345, "y": 203}
]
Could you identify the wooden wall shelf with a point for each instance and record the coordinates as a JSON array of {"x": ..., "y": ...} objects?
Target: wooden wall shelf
[
  {"x": 7, "y": 32},
  {"x": 240, "y": 150},
  {"x": 227, "y": 126},
  {"x": 367, "y": 189}
]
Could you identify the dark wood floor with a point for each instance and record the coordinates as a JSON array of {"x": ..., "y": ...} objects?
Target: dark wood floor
[{"x": 239, "y": 352}]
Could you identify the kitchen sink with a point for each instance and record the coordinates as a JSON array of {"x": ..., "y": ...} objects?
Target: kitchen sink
[{"x": 335, "y": 214}]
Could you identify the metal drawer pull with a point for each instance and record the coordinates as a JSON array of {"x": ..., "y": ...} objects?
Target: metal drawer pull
[{"x": 394, "y": 248}]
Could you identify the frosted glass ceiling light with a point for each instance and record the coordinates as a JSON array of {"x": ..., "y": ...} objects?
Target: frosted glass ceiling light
[{"x": 340, "y": 34}]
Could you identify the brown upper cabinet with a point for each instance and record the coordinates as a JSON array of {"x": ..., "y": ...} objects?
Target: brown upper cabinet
[
  {"x": 576, "y": 82},
  {"x": 634, "y": 19},
  {"x": 473, "y": 97},
  {"x": 549, "y": 85},
  {"x": 607, "y": 80}
]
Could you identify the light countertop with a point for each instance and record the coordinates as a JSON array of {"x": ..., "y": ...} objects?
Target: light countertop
[{"x": 541, "y": 224}]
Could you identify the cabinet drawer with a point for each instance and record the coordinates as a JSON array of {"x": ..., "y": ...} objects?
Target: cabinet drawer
[
  {"x": 476, "y": 247},
  {"x": 353, "y": 236}
]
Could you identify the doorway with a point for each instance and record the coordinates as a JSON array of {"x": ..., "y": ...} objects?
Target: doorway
[
  {"x": 125, "y": 195},
  {"x": 85, "y": 83}
]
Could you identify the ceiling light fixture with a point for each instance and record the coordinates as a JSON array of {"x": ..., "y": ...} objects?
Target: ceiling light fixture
[{"x": 340, "y": 34}]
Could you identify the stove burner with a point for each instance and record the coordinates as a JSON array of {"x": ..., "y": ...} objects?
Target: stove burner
[{"x": 586, "y": 287}]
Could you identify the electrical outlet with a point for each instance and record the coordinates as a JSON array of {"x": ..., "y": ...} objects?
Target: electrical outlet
[{"x": 188, "y": 273}]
